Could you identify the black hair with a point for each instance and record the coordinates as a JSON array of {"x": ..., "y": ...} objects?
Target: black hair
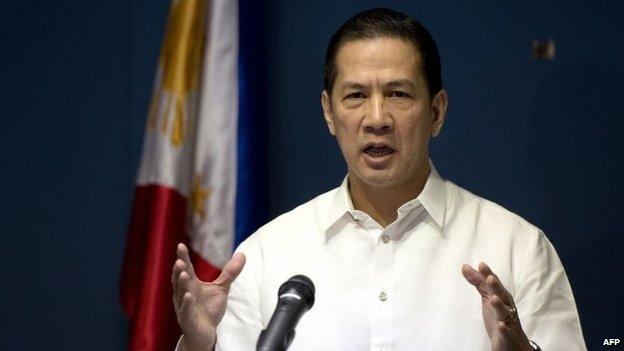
[{"x": 384, "y": 22}]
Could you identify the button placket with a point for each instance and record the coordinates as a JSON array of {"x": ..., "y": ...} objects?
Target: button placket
[{"x": 382, "y": 309}]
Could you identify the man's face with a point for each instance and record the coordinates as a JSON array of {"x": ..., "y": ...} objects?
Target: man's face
[{"x": 381, "y": 113}]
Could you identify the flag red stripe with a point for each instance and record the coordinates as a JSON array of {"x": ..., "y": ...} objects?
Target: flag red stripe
[{"x": 157, "y": 224}]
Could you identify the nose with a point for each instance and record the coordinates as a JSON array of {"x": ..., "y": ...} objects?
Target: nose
[{"x": 377, "y": 119}]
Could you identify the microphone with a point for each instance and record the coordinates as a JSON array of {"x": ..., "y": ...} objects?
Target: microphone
[{"x": 294, "y": 298}]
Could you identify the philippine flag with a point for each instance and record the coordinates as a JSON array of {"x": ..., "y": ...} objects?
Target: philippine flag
[{"x": 186, "y": 188}]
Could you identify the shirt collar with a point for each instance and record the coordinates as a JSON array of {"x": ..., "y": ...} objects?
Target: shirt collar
[
  {"x": 432, "y": 198},
  {"x": 340, "y": 205}
]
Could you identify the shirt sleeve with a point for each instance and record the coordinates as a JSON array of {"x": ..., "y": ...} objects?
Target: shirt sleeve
[
  {"x": 242, "y": 323},
  {"x": 544, "y": 299}
]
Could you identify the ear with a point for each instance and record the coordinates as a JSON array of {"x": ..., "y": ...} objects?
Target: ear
[
  {"x": 328, "y": 112},
  {"x": 438, "y": 106}
]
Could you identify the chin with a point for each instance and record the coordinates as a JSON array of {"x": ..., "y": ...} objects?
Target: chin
[{"x": 378, "y": 178}]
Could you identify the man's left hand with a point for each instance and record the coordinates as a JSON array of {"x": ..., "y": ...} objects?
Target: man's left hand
[{"x": 499, "y": 311}]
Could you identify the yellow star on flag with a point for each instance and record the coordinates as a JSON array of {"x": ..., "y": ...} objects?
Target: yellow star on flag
[{"x": 198, "y": 197}]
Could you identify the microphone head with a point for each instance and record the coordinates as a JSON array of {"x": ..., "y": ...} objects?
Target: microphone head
[{"x": 300, "y": 285}]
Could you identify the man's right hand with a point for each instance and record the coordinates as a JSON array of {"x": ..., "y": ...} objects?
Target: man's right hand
[{"x": 200, "y": 306}]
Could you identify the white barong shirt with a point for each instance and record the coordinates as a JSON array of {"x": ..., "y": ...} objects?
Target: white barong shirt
[{"x": 400, "y": 287}]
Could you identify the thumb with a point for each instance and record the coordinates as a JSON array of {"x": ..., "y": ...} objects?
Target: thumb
[
  {"x": 231, "y": 270},
  {"x": 472, "y": 275}
]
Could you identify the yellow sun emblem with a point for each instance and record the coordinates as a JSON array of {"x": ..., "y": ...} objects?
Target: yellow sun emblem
[{"x": 180, "y": 64}]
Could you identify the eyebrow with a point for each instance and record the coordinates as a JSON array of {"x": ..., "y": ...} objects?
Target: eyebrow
[
  {"x": 392, "y": 84},
  {"x": 351, "y": 85},
  {"x": 400, "y": 83}
]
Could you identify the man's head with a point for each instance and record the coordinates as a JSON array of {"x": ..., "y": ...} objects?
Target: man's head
[
  {"x": 379, "y": 102},
  {"x": 383, "y": 22}
]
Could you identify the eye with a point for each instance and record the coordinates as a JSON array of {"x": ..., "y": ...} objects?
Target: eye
[
  {"x": 355, "y": 95},
  {"x": 399, "y": 94}
]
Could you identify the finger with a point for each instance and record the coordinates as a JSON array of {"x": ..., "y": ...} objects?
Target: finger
[
  {"x": 485, "y": 269},
  {"x": 496, "y": 287},
  {"x": 182, "y": 253},
  {"x": 231, "y": 270},
  {"x": 185, "y": 285},
  {"x": 178, "y": 292},
  {"x": 178, "y": 267},
  {"x": 186, "y": 308},
  {"x": 475, "y": 278},
  {"x": 501, "y": 309}
]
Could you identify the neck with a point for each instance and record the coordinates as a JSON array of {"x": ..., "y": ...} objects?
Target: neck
[{"x": 382, "y": 203}]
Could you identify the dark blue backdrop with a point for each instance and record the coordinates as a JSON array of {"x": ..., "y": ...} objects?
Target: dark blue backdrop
[{"x": 541, "y": 138}]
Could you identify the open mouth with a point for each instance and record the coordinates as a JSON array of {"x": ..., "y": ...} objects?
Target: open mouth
[{"x": 378, "y": 150}]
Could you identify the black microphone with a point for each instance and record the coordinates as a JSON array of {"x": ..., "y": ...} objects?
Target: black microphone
[{"x": 294, "y": 298}]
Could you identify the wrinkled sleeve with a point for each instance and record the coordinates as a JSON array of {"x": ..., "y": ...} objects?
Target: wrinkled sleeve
[
  {"x": 241, "y": 325},
  {"x": 544, "y": 299}
]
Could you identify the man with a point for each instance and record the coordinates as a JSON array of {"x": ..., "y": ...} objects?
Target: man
[{"x": 386, "y": 249}]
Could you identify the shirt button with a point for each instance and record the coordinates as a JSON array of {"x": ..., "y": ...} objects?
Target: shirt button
[
  {"x": 385, "y": 238},
  {"x": 383, "y": 296}
]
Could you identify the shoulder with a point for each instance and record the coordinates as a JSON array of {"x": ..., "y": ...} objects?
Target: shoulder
[
  {"x": 286, "y": 245},
  {"x": 490, "y": 218},
  {"x": 511, "y": 245},
  {"x": 301, "y": 222}
]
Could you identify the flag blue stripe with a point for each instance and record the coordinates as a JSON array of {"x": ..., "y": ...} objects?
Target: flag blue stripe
[{"x": 251, "y": 184}]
